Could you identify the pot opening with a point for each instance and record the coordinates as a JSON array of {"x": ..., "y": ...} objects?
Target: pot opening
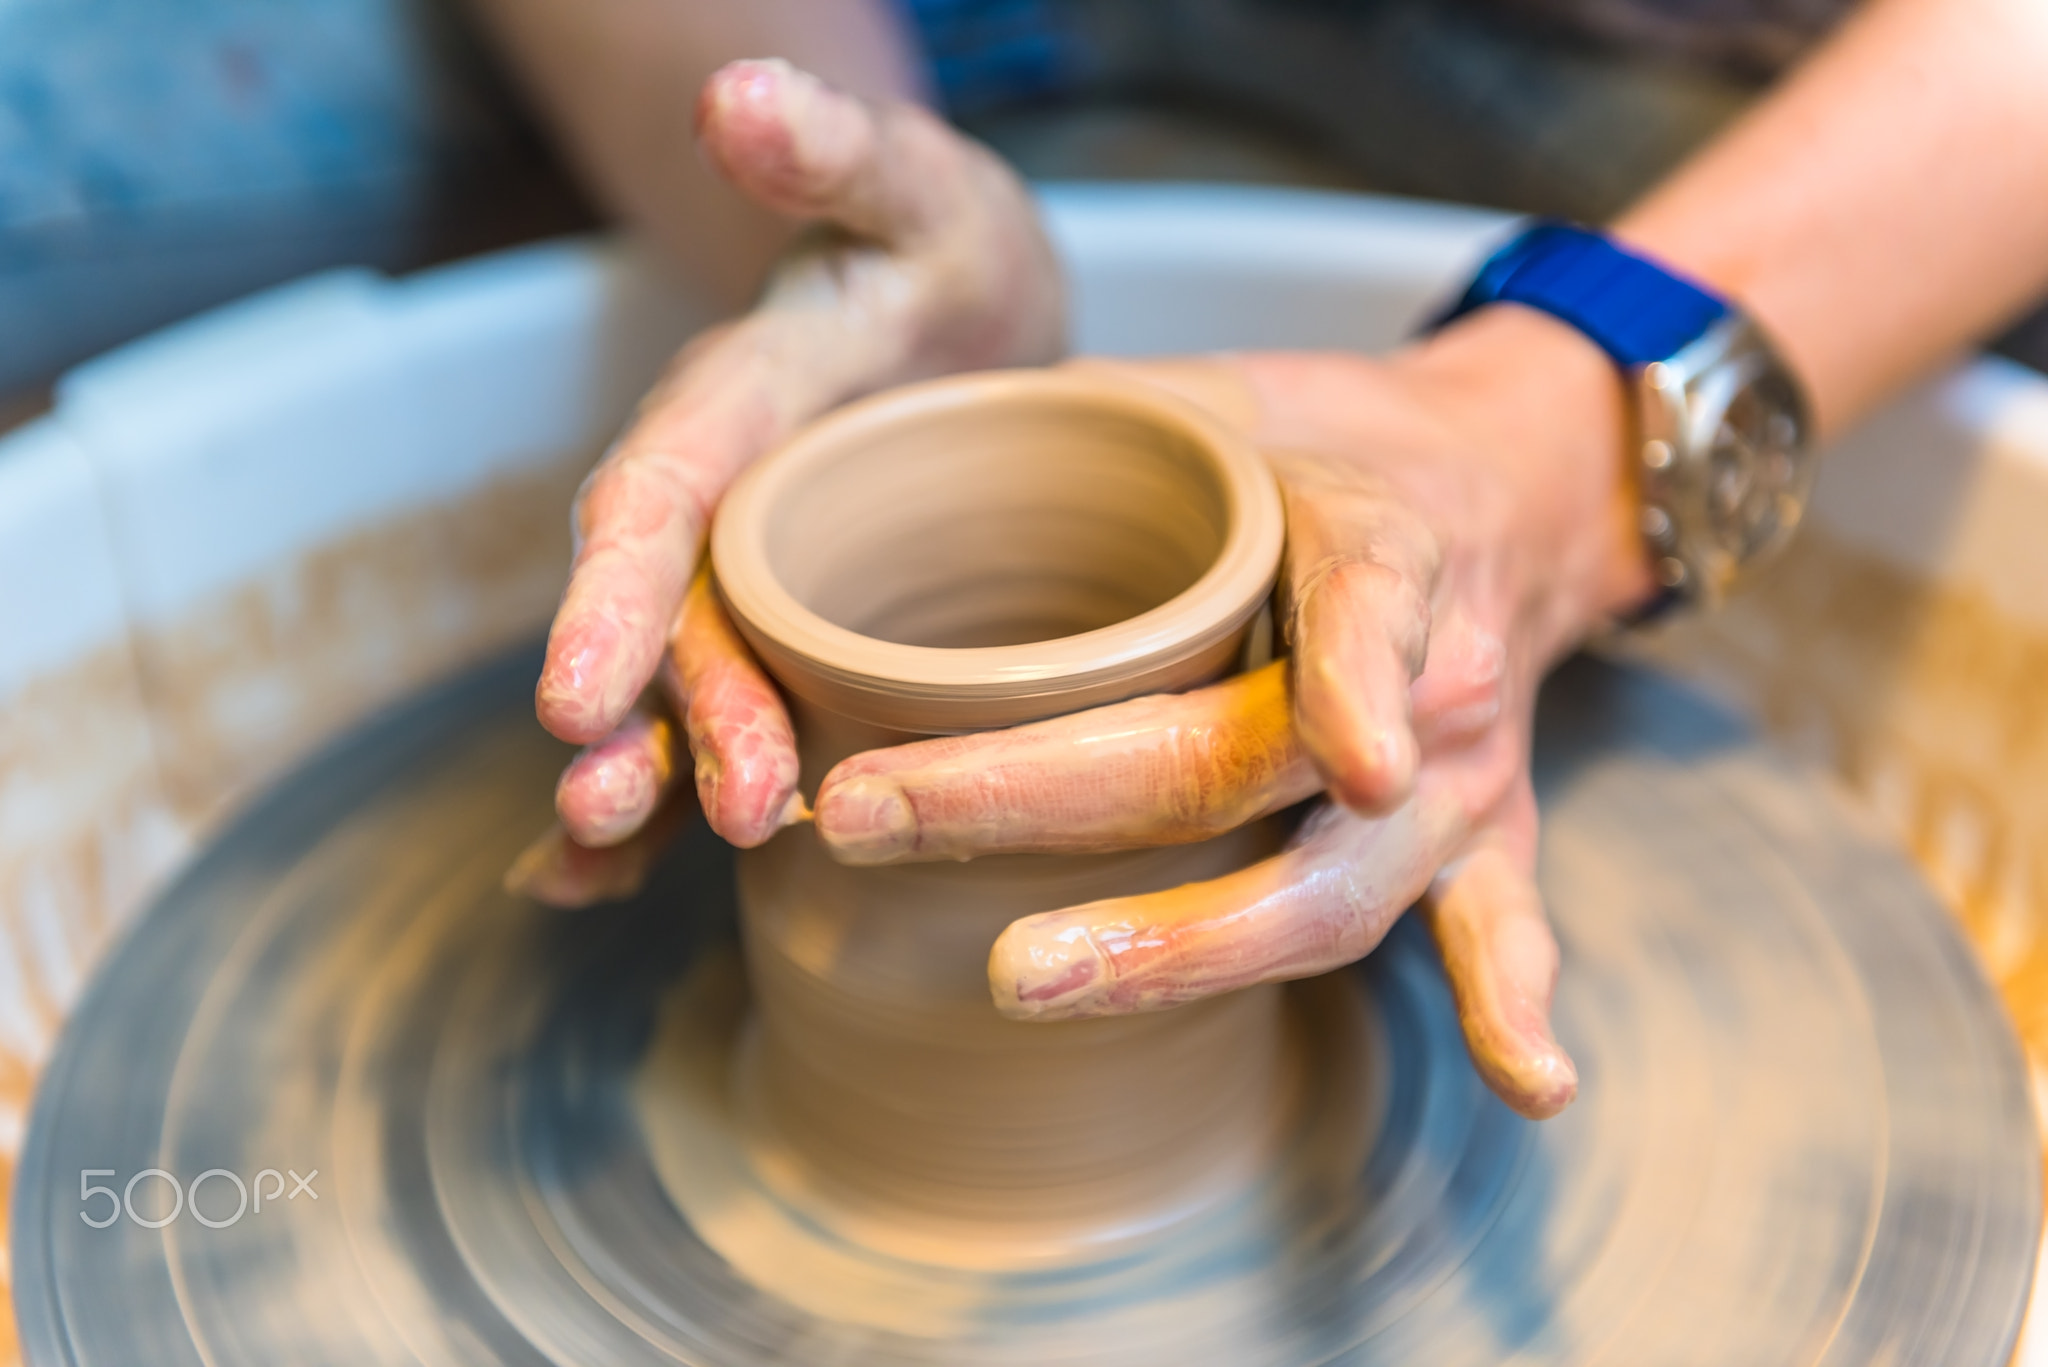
[{"x": 999, "y": 524}]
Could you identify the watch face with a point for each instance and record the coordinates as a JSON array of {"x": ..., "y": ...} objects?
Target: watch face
[
  {"x": 1755, "y": 471},
  {"x": 1725, "y": 470}
]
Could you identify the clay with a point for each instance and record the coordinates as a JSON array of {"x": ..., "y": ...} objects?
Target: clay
[
  {"x": 1806, "y": 1136},
  {"x": 994, "y": 549},
  {"x": 971, "y": 553}
]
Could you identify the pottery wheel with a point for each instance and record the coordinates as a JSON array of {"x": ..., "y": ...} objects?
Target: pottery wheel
[{"x": 1803, "y": 1132}]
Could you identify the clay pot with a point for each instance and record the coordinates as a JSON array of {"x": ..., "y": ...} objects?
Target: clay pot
[{"x": 978, "y": 552}]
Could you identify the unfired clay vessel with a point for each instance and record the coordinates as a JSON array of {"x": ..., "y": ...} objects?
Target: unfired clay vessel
[{"x": 980, "y": 552}]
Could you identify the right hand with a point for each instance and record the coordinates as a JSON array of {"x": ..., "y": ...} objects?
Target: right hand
[
  {"x": 925, "y": 257},
  {"x": 1459, "y": 516}
]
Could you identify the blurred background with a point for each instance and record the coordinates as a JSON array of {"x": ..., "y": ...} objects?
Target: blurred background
[{"x": 156, "y": 159}]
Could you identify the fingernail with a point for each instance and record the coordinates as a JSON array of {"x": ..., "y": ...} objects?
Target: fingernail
[
  {"x": 866, "y": 819},
  {"x": 605, "y": 802},
  {"x": 1546, "y": 1082},
  {"x": 1047, "y": 968},
  {"x": 709, "y": 772},
  {"x": 748, "y": 82},
  {"x": 576, "y": 698}
]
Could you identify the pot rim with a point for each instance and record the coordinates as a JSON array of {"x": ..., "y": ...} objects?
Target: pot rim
[{"x": 1190, "y": 637}]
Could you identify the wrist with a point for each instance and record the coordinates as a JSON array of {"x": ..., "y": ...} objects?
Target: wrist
[{"x": 1552, "y": 414}]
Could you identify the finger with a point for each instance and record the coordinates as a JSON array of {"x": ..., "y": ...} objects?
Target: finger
[
  {"x": 639, "y": 521},
  {"x": 1502, "y": 961},
  {"x": 1462, "y": 692},
  {"x": 1361, "y": 569},
  {"x": 1160, "y": 770},
  {"x": 1324, "y": 902},
  {"x": 611, "y": 788},
  {"x": 737, "y": 726},
  {"x": 642, "y": 515},
  {"x": 792, "y": 143},
  {"x": 556, "y": 870},
  {"x": 833, "y": 325},
  {"x": 1458, "y": 693},
  {"x": 939, "y": 262}
]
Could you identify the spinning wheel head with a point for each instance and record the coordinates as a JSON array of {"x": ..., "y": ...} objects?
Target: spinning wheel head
[{"x": 1803, "y": 1133}]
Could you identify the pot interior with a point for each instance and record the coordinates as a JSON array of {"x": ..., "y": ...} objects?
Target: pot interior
[{"x": 1000, "y": 523}]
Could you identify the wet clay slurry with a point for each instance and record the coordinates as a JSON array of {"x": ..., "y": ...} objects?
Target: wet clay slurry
[{"x": 974, "y": 553}]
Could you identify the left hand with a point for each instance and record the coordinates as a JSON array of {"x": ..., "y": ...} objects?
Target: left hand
[
  {"x": 1459, "y": 517},
  {"x": 925, "y": 256}
]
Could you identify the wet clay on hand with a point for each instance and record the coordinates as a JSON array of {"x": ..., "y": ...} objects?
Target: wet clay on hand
[{"x": 977, "y": 553}]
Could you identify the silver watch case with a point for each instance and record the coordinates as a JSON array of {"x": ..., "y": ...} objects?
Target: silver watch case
[{"x": 1725, "y": 464}]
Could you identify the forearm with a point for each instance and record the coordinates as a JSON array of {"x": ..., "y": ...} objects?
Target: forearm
[
  {"x": 1883, "y": 207},
  {"x": 619, "y": 81}
]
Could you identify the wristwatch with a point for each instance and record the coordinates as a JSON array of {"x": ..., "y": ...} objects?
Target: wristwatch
[{"x": 1723, "y": 460}]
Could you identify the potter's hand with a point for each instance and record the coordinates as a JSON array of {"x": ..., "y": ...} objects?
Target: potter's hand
[
  {"x": 927, "y": 258},
  {"x": 1457, "y": 520}
]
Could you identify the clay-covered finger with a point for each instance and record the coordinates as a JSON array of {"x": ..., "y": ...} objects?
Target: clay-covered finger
[
  {"x": 1324, "y": 902},
  {"x": 610, "y": 789},
  {"x": 945, "y": 268},
  {"x": 1158, "y": 770},
  {"x": 792, "y": 143},
  {"x": 555, "y": 869},
  {"x": 640, "y": 518},
  {"x": 642, "y": 515},
  {"x": 1360, "y": 572},
  {"x": 739, "y": 732},
  {"x": 1502, "y": 960}
]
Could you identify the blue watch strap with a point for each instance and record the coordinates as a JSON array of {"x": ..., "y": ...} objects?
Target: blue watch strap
[{"x": 1635, "y": 311}]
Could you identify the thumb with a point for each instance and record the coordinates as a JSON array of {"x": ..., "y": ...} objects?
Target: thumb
[
  {"x": 793, "y": 144},
  {"x": 1502, "y": 960}
]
